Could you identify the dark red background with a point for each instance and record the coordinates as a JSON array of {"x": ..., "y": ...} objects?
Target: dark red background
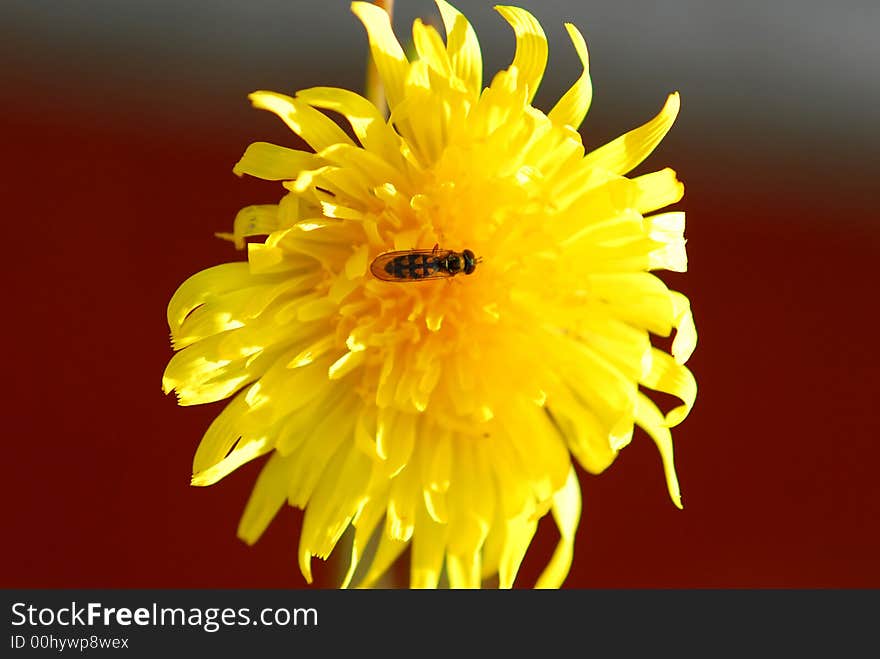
[{"x": 107, "y": 212}]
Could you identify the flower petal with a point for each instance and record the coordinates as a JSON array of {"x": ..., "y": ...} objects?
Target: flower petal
[
  {"x": 403, "y": 499},
  {"x": 267, "y": 497},
  {"x": 317, "y": 129},
  {"x": 435, "y": 460},
  {"x": 365, "y": 522},
  {"x": 685, "y": 332},
  {"x": 387, "y": 552},
  {"x": 585, "y": 434},
  {"x": 567, "y": 514},
  {"x": 198, "y": 375},
  {"x": 463, "y": 570},
  {"x": 428, "y": 550},
  {"x": 571, "y": 109},
  {"x": 537, "y": 444},
  {"x": 395, "y": 439},
  {"x": 310, "y": 461},
  {"x": 639, "y": 298},
  {"x": 530, "y": 58},
  {"x": 519, "y": 532},
  {"x": 257, "y": 220},
  {"x": 203, "y": 285},
  {"x": 667, "y": 229},
  {"x": 385, "y": 48},
  {"x": 651, "y": 420},
  {"x": 368, "y": 124},
  {"x": 222, "y": 449},
  {"x": 275, "y": 163},
  {"x": 471, "y": 511},
  {"x": 363, "y": 166},
  {"x": 349, "y": 362},
  {"x": 629, "y": 150},
  {"x": 334, "y": 503},
  {"x": 514, "y": 491},
  {"x": 463, "y": 48},
  {"x": 430, "y": 48},
  {"x": 671, "y": 377},
  {"x": 656, "y": 190}
]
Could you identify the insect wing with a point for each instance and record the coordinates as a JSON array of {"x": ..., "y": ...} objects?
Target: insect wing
[
  {"x": 410, "y": 265},
  {"x": 380, "y": 266}
]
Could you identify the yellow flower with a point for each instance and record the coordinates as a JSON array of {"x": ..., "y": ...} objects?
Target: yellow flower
[{"x": 441, "y": 415}]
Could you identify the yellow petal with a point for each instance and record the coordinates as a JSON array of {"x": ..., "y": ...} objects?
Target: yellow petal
[
  {"x": 385, "y": 48},
  {"x": 395, "y": 438},
  {"x": 310, "y": 460},
  {"x": 203, "y": 285},
  {"x": 639, "y": 298},
  {"x": 667, "y": 229},
  {"x": 463, "y": 570},
  {"x": 515, "y": 496},
  {"x": 369, "y": 167},
  {"x": 430, "y": 48},
  {"x": 198, "y": 375},
  {"x": 571, "y": 109},
  {"x": 315, "y": 309},
  {"x": 685, "y": 332},
  {"x": 403, "y": 500},
  {"x": 222, "y": 449},
  {"x": 671, "y": 377},
  {"x": 317, "y": 130},
  {"x": 628, "y": 348},
  {"x": 301, "y": 387},
  {"x": 348, "y": 186},
  {"x": 436, "y": 461},
  {"x": 586, "y": 436},
  {"x": 349, "y": 362},
  {"x": 227, "y": 312},
  {"x": 540, "y": 449},
  {"x": 657, "y": 189},
  {"x": 428, "y": 549},
  {"x": 462, "y": 47},
  {"x": 530, "y": 58},
  {"x": 318, "y": 348},
  {"x": 337, "y": 498},
  {"x": 366, "y": 121},
  {"x": 471, "y": 500},
  {"x": 340, "y": 288},
  {"x": 629, "y": 150},
  {"x": 267, "y": 497},
  {"x": 566, "y": 514},
  {"x": 327, "y": 241},
  {"x": 519, "y": 532},
  {"x": 595, "y": 382},
  {"x": 423, "y": 123},
  {"x": 365, "y": 522},
  {"x": 266, "y": 259},
  {"x": 257, "y": 220},
  {"x": 490, "y": 554},
  {"x": 387, "y": 552},
  {"x": 651, "y": 419},
  {"x": 274, "y": 163}
]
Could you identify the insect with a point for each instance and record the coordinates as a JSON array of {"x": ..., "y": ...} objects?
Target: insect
[{"x": 419, "y": 264}]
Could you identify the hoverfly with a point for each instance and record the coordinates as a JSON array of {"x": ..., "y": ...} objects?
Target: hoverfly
[{"x": 420, "y": 264}]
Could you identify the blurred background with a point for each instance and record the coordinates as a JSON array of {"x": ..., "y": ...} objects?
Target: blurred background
[{"x": 121, "y": 122}]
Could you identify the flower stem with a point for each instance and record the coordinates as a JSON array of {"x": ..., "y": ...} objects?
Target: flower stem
[{"x": 375, "y": 92}]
